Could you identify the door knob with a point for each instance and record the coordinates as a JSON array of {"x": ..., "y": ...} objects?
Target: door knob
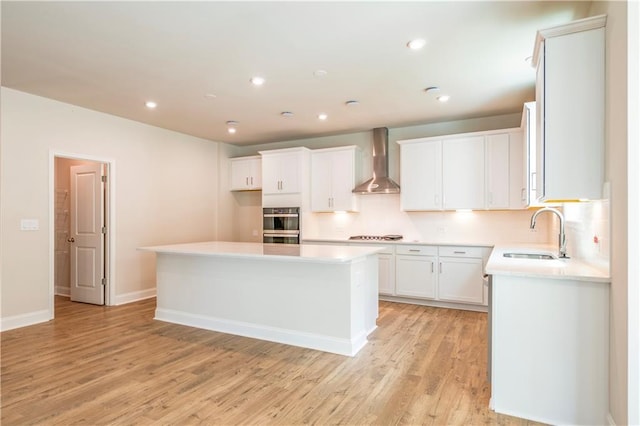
[{"x": 71, "y": 240}]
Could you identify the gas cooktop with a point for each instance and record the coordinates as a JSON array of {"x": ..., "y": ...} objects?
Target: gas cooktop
[{"x": 377, "y": 237}]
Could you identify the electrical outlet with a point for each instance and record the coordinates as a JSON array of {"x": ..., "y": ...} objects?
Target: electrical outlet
[{"x": 254, "y": 232}]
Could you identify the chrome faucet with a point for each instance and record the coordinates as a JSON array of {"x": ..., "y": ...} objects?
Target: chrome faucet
[{"x": 562, "y": 240}]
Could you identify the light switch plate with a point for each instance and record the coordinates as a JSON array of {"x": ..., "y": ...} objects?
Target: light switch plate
[{"x": 29, "y": 224}]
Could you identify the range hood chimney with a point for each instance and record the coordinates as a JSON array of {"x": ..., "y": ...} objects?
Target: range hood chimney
[{"x": 380, "y": 182}]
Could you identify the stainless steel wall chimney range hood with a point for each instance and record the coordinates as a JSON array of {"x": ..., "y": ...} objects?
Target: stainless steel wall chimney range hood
[{"x": 380, "y": 183}]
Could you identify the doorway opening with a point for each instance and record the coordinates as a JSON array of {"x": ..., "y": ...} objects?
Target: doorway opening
[{"x": 82, "y": 228}]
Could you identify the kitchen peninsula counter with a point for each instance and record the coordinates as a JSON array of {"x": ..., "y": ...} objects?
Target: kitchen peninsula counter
[{"x": 318, "y": 297}]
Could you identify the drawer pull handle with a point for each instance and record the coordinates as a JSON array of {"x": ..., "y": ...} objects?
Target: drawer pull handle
[
  {"x": 414, "y": 250},
  {"x": 459, "y": 252}
]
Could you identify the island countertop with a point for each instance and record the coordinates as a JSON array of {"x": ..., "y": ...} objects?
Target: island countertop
[{"x": 286, "y": 252}]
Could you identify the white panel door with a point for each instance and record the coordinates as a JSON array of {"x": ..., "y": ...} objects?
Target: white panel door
[{"x": 86, "y": 237}]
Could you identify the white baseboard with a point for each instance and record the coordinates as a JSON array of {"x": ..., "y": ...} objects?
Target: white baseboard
[
  {"x": 63, "y": 291},
  {"x": 24, "y": 320},
  {"x": 134, "y": 296},
  {"x": 272, "y": 334}
]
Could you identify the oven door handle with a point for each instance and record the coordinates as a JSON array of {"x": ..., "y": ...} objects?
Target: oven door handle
[
  {"x": 281, "y": 235},
  {"x": 281, "y": 215}
]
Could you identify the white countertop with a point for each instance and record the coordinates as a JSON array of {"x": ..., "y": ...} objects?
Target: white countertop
[
  {"x": 282, "y": 252},
  {"x": 396, "y": 242},
  {"x": 567, "y": 269}
]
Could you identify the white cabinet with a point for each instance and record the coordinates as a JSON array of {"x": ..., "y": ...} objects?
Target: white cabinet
[
  {"x": 553, "y": 336},
  {"x": 463, "y": 173},
  {"x": 529, "y": 159},
  {"x": 246, "y": 173},
  {"x": 416, "y": 274},
  {"x": 334, "y": 174},
  {"x": 281, "y": 171},
  {"x": 570, "y": 98},
  {"x": 505, "y": 176},
  {"x": 481, "y": 170},
  {"x": 461, "y": 275},
  {"x": 421, "y": 175}
]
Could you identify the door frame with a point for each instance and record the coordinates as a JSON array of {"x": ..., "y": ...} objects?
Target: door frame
[{"x": 110, "y": 223}]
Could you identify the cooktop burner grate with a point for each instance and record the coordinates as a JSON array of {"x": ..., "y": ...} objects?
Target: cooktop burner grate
[{"x": 377, "y": 237}]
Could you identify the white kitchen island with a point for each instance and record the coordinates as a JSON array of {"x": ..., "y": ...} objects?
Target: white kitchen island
[{"x": 318, "y": 297}]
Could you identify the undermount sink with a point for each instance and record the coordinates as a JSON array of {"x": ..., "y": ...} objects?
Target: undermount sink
[{"x": 540, "y": 256}]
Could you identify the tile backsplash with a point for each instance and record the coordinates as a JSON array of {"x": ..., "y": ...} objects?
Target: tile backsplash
[
  {"x": 587, "y": 227},
  {"x": 380, "y": 214}
]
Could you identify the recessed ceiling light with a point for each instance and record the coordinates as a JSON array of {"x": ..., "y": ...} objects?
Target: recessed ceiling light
[
  {"x": 231, "y": 126},
  {"x": 443, "y": 98},
  {"x": 257, "y": 81},
  {"x": 322, "y": 116},
  {"x": 352, "y": 103},
  {"x": 150, "y": 104},
  {"x": 416, "y": 44},
  {"x": 286, "y": 114}
]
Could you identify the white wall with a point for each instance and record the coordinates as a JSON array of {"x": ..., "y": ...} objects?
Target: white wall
[{"x": 165, "y": 192}]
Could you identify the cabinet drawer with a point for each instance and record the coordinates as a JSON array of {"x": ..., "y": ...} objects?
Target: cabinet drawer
[
  {"x": 460, "y": 251},
  {"x": 417, "y": 250}
]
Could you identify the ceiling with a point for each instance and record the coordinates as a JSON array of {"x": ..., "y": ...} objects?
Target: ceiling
[{"x": 195, "y": 59}]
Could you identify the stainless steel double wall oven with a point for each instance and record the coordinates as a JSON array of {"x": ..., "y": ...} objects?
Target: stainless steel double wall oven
[{"x": 281, "y": 225}]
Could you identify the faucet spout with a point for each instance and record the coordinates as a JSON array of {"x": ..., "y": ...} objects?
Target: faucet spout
[{"x": 562, "y": 239}]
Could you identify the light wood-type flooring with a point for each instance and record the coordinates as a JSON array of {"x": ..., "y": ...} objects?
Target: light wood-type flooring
[{"x": 97, "y": 365}]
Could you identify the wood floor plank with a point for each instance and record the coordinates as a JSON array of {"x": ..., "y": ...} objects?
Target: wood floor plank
[{"x": 117, "y": 366}]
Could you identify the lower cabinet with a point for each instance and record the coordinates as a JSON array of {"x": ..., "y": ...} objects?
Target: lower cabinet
[
  {"x": 447, "y": 276},
  {"x": 460, "y": 280},
  {"x": 416, "y": 271}
]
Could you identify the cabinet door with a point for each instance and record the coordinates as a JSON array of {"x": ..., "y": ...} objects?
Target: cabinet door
[
  {"x": 321, "y": 181},
  {"x": 540, "y": 114},
  {"x": 270, "y": 174},
  {"x": 246, "y": 174},
  {"x": 281, "y": 173},
  {"x": 386, "y": 274},
  {"x": 240, "y": 172},
  {"x": 343, "y": 180},
  {"x": 463, "y": 173},
  {"x": 497, "y": 164},
  {"x": 421, "y": 176},
  {"x": 574, "y": 99},
  {"x": 289, "y": 173},
  {"x": 416, "y": 276},
  {"x": 461, "y": 280}
]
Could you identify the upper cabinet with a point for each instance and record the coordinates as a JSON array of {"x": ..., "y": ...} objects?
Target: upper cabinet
[
  {"x": 282, "y": 170},
  {"x": 570, "y": 98},
  {"x": 285, "y": 177},
  {"x": 246, "y": 173},
  {"x": 334, "y": 174},
  {"x": 481, "y": 170}
]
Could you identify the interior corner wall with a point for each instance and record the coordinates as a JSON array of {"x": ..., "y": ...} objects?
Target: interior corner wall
[{"x": 166, "y": 191}]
